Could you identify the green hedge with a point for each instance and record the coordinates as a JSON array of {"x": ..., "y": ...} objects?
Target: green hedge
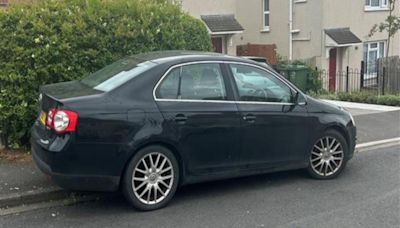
[{"x": 50, "y": 41}]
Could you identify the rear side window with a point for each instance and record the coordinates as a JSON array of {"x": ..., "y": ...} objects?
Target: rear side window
[{"x": 193, "y": 82}]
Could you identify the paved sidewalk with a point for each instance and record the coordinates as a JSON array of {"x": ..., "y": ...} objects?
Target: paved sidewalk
[
  {"x": 16, "y": 177},
  {"x": 371, "y": 107},
  {"x": 359, "y": 112},
  {"x": 23, "y": 183},
  {"x": 377, "y": 126},
  {"x": 374, "y": 122}
]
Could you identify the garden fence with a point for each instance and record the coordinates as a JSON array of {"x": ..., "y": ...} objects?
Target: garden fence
[{"x": 385, "y": 80}]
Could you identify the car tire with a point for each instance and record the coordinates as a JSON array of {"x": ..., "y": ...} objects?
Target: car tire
[
  {"x": 151, "y": 178},
  {"x": 328, "y": 156}
]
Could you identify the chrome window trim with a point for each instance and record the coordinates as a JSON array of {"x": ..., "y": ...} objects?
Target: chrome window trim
[
  {"x": 225, "y": 101},
  {"x": 220, "y": 101}
]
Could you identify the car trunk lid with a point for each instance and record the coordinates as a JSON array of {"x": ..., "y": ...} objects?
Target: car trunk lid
[
  {"x": 64, "y": 90},
  {"x": 56, "y": 96}
]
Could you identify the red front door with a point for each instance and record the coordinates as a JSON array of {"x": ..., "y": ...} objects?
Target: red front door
[
  {"x": 332, "y": 69},
  {"x": 217, "y": 44}
]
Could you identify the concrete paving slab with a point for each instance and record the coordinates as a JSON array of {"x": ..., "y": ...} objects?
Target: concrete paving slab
[
  {"x": 20, "y": 177},
  {"x": 359, "y": 112}
]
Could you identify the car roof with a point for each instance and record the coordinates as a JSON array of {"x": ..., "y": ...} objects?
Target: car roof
[
  {"x": 161, "y": 57},
  {"x": 253, "y": 57}
]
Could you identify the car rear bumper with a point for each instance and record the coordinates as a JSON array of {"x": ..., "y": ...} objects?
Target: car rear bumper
[{"x": 46, "y": 160}]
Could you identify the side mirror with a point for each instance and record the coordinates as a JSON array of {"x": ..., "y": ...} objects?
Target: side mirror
[{"x": 300, "y": 99}]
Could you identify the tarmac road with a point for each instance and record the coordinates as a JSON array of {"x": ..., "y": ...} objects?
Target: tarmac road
[
  {"x": 377, "y": 126},
  {"x": 367, "y": 194}
]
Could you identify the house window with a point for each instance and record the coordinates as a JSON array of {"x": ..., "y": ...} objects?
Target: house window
[
  {"x": 376, "y": 4},
  {"x": 372, "y": 52},
  {"x": 266, "y": 14}
]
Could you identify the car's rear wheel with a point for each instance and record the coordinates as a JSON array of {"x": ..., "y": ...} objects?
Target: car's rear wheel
[
  {"x": 328, "y": 156},
  {"x": 151, "y": 178}
]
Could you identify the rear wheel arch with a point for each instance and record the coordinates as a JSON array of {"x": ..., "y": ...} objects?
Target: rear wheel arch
[{"x": 168, "y": 146}]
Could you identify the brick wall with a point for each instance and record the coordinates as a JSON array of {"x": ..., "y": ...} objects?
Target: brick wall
[{"x": 267, "y": 51}]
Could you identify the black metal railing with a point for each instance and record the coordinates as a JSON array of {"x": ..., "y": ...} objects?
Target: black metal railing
[
  {"x": 347, "y": 80},
  {"x": 386, "y": 79}
]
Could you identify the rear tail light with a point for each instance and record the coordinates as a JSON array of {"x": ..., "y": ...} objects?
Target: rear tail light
[{"x": 62, "y": 120}]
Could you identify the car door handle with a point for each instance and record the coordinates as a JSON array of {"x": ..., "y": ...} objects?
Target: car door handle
[
  {"x": 249, "y": 118},
  {"x": 180, "y": 118}
]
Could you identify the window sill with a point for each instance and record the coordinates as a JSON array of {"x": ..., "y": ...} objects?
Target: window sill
[
  {"x": 373, "y": 9},
  {"x": 265, "y": 30}
]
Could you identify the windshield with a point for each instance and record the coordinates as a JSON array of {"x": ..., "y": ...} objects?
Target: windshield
[{"x": 116, "y": 74}]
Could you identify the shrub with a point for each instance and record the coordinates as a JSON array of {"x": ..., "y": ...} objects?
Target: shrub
[
  {"x": 392, "y": 100},
  {"x": 48, "y": 41},
  {"x": 314, "y": 82}
]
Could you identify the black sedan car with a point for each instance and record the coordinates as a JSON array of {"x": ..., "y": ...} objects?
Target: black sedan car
[{"x": 152, "y": 122}]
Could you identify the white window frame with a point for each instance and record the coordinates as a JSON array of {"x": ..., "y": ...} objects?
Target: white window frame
[
  {"x": 266, "y": 27},
  {"x": 383, "y": 5},
  {"x": 379, "y": 54}
]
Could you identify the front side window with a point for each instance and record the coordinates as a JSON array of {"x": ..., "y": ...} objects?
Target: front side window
[
  {"x": 193, "y": 82},
  {"x": 266, "y": 14},
  {"x": 372, "y": 52},
  {"x": 376, "y": 4},
  {"x": 257, "y": 85}
]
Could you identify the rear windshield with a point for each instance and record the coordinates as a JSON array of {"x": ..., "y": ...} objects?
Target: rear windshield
[{"x": 116, "y": 74}]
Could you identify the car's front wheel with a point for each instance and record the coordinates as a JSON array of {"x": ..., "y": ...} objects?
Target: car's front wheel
[
  {"x": 328, "y": 156},
  {"x": 151, "y": 178}
]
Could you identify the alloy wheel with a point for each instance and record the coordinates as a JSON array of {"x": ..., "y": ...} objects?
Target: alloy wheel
[
  {"x": 327, "y": 156},
  {"x": 153, "y": 178}
]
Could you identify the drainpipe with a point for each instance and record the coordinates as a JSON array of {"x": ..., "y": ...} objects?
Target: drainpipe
[{"x": 290, "y": 30}]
